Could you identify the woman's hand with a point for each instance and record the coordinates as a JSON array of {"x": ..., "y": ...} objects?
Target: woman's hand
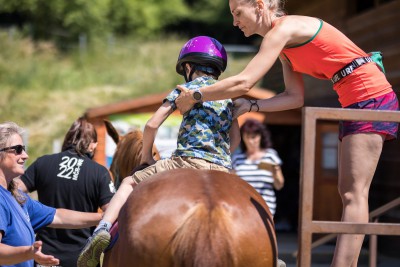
[
  {"x": 240, "y": 106},
  {"x": 185, "y": 100},
  {"x": 275, "y": 169},
  {"x": 43, "y": 259}
]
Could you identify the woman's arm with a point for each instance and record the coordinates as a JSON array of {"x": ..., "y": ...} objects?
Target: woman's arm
[
  {"x": 276, "y": 171},
  {"x": 279, "y": 180},
  {"x": 292, "y": 97},
  {"x": 12, "y": 255},
  {"x": 234, "y": 135},
  {"x": 104, "y": 207},
  {"x": 21, "y": 185},
  {"x": 150, "y": 131},
  {"x": 71, "y": 219}
]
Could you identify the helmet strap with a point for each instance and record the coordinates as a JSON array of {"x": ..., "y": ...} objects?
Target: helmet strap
[
  {"x": 192, "y": 70},
  {"x": 188, "y": 77}
]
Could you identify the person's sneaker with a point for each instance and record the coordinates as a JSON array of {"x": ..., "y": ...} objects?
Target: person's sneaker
[
  {"x": 281, "y": 263},
  {"x": 95, "y": 245}
]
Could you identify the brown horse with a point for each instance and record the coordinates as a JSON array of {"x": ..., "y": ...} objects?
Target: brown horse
[
  {"x": 128, "y": 152},
  {"x": 194, "y": 218}
]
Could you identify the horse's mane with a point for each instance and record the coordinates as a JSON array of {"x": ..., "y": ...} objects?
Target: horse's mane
[{"x": 128, "y": 153}]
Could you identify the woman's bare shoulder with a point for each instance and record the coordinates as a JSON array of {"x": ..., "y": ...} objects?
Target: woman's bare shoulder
[
  {"x": 296, "y": 22},
  {"x": 299, "y": 28}
]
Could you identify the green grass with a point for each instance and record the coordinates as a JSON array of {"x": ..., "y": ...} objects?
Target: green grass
[{"x": 45, "y": 90}]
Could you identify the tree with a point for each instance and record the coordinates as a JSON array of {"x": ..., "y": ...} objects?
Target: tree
[
  {"x": 59, "y": 19},
  {"x": 145, "y": 18},
  {"x": 64, "y": 21}
]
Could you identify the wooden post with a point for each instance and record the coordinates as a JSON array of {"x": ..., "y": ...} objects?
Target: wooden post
[{"x": 306, "y": 224}]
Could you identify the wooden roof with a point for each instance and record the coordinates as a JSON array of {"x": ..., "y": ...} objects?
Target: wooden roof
[{"x": 150, "y": 103}]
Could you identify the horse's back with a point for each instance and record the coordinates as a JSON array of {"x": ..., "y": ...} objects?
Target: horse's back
[{"x": 199, "y": 218}]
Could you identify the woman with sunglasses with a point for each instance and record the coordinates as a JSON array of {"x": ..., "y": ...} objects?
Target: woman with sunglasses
[{"x": 21, "y": 216}]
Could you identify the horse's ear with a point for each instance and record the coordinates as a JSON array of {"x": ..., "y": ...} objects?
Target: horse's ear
[{"x": 111, "y": 131}]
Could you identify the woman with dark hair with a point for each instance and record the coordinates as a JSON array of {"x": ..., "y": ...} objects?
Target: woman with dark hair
[
  {"x": 258, "y": 163},
  {"x": 21, "y": 216},
  {"x": 72, "y": 180},
  {"x": 82, "y": 137}
]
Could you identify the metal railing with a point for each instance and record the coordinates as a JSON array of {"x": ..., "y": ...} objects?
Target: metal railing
[{"x": 307, "y": 227}]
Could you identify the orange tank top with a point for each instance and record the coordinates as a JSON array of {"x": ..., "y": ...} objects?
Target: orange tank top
[{"x": 328, "y": 51}]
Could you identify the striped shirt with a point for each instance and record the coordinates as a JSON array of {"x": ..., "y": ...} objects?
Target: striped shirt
[{"x": 261, "y": 180}]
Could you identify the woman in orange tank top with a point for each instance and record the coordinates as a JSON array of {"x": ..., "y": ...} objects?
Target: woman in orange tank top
[{"x": 307, "y": 45}]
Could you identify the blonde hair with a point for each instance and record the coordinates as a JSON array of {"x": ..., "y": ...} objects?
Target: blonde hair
[
  {"x": 7, "y": 130},
  {"x": 275, "y": 6}
]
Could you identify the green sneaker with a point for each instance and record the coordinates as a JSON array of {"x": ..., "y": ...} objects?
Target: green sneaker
[{"x": 95, "y": 245}]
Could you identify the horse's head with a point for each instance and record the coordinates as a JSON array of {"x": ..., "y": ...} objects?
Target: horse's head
[{"x": 128, "y": 152}]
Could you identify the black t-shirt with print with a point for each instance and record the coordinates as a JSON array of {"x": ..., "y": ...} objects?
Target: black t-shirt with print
[{"x": 68, "y": 180}]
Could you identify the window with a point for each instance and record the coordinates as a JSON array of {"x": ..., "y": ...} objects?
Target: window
[{"x": 329, "y": 151}]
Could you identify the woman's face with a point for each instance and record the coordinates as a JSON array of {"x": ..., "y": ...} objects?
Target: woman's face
[
  {"x": 252, "y": 141},
  {"x": 12, "y": 165},
  {"x": 245, "y": 16}
]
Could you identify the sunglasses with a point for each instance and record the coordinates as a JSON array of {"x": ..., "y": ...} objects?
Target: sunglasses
[{"x": 18, "y": 149}]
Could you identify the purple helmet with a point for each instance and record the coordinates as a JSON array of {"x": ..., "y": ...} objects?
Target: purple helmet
[{"x": 202, "y": 50}]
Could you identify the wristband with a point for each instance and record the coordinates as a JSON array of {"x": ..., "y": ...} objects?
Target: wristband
[{"x": 253, "y": 103}]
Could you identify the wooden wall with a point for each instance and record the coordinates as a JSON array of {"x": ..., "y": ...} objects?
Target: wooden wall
[{"x": 379, "y": 29}]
